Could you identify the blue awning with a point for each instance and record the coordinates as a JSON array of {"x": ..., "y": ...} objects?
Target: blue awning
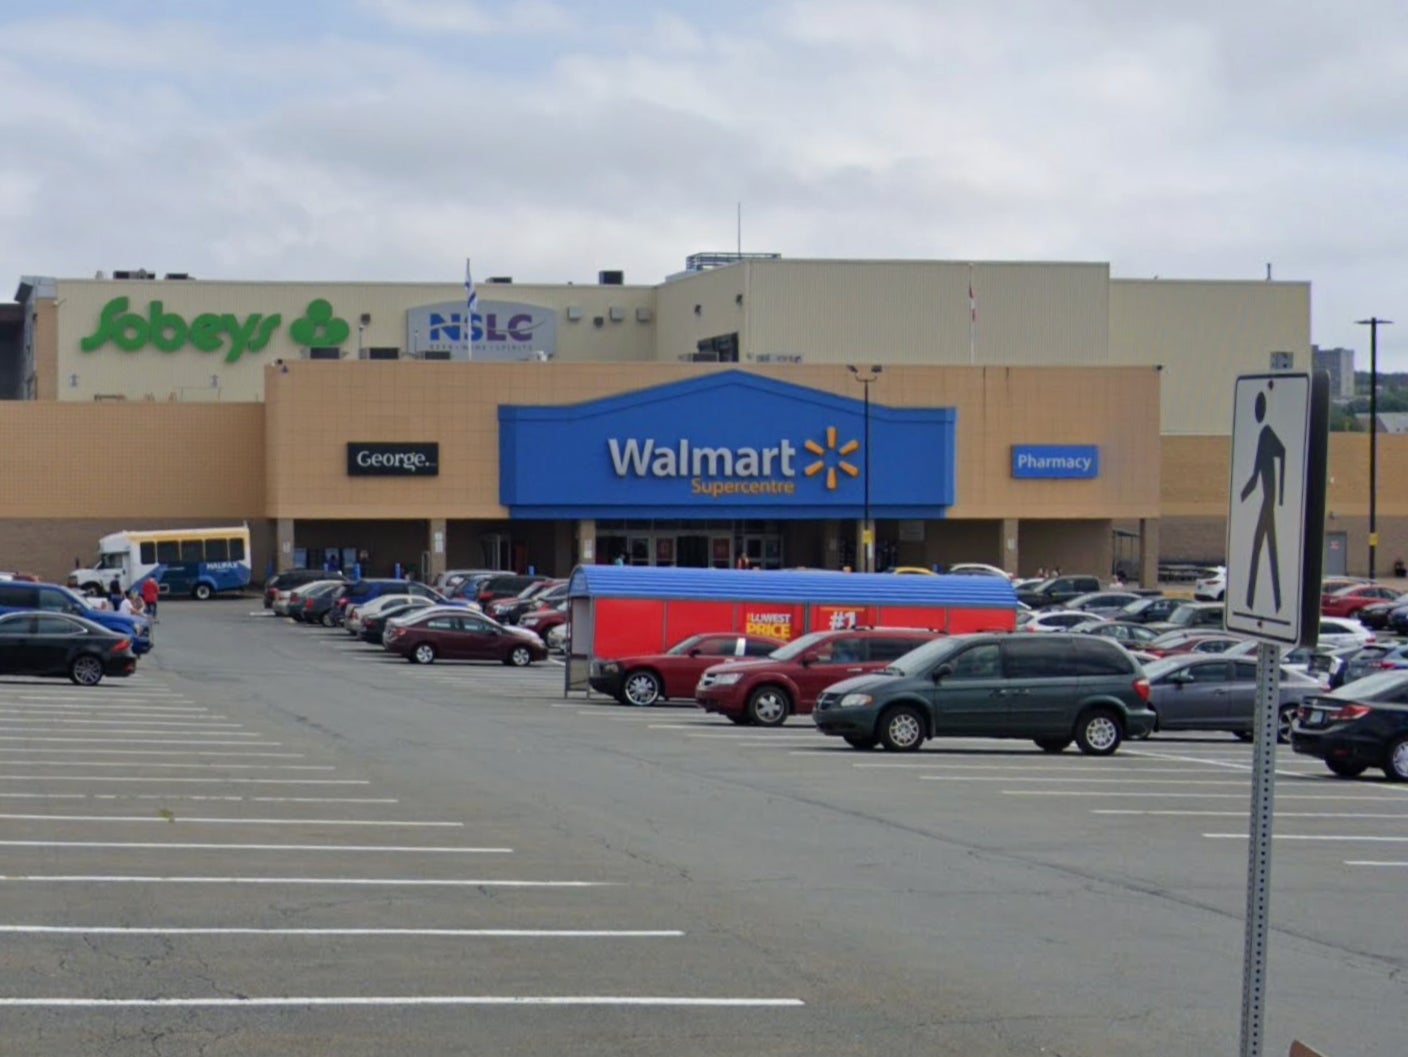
[{"x": 800, "y": 586}]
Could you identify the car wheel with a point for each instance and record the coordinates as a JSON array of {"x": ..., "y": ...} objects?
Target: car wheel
[
  {"x": 641, "y": 688},
  {"x": 769, "y": 706},
  {"x": 902, "y": 729},
  {"x": 858, "y": 741},
  {"x": 328, "y": 622},
  {"x": 1284, "y": 719},
  {"x": 1341, "y": 769},
  {"x": 1396, "y": 763},
  {"x": 86, "y": 670},
  {"x": 423, "y": 654},
  {"x": 520, "y": 657},
  {"x": 1052, "y": 744},
  {"x": 1099, "y": 732},
  {"x": 202, "y": 592}
]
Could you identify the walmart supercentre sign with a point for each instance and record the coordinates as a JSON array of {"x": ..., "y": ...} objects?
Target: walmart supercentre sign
[{"x": 729, "y": 444}]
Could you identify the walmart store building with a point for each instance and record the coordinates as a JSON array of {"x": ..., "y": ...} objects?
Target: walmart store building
[{"x": 1058, "y": 418}]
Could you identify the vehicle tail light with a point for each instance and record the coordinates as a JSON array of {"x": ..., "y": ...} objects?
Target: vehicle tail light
[
  {"x": 121, "y": 644},
  {"x": 307, "y": 603},
  {"x": 1350, "y": 712},
  {"x": 1141, "y": 687}
]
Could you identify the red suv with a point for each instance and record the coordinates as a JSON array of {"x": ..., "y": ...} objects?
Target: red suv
[
  {"x": 766, "y": 691},
  {"x": 648, "y": 678}
]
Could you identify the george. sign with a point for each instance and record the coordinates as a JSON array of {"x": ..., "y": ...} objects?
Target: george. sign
[
  {"x": 726, "y": 445},
  {"x": 211, "y": 332},
  {"x": 1069, "y": 461},
  {"x": 501, "y": 331},
  {"x": 1276, "y": 511},
  {"x": 365, "y": 459}
]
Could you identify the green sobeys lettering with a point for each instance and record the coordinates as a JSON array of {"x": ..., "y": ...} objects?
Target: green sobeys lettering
[{"x": 208, "y": 332}]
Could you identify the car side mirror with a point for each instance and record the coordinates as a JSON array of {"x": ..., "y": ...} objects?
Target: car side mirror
[
  {"x": 1180, "y": 678},
  {"x": 809, "y": 658},
  {"x": 941, "y": 671},
  {"x": 695, "y": 651}
]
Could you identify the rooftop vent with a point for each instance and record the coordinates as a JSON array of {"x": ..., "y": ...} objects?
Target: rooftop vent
[{"x": 611, "y": 278}]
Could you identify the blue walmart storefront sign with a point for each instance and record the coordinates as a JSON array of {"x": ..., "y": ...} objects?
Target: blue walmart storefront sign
[
  {"x": 728, "y": 445},
  {"x": 1067, "y": 461}
]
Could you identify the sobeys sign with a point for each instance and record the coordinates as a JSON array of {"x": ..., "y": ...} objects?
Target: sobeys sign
[{"x": 210, "y": 332}]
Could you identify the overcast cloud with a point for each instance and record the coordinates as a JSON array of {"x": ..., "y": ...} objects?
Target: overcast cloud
[{"x": 390, "y": 139}]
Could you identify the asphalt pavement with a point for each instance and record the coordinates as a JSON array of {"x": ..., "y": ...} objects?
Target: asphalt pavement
[{"x": 275, "y": 840}]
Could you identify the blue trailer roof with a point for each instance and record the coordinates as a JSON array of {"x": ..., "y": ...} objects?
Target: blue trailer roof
[{"x": 802, "y": 585}]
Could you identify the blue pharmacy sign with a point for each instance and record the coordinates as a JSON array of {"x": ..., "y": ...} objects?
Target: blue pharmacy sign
[
  {"x": 726, "y": 445},
  {"x": 1079, "y": 461}
]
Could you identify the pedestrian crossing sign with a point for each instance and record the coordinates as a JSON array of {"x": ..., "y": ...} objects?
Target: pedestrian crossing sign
[{"x": 1276, "y": 506}]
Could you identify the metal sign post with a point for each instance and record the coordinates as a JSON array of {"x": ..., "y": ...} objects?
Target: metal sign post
[{"x": 1275, "y": 545}]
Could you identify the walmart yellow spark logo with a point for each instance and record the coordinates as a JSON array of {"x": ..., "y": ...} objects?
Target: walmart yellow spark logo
[{"x": 829, "y": 454}]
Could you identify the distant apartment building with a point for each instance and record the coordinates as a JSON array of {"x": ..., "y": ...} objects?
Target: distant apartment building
[{"x": 1340, "y": 364}]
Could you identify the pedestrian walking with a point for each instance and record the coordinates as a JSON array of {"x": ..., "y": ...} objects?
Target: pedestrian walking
[{"x": 150, "y": 593}]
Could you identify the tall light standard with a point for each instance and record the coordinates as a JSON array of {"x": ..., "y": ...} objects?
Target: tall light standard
[
  {"x": 1373, "y": 323},
  {"x": 867, "y": 532}
]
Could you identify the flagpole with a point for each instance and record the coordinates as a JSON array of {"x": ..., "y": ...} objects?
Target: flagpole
[
  {"x": 972, "y": 319},
  {"x": 471, "y": 304}
]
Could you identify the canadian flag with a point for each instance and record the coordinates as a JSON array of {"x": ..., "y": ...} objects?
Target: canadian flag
[{"x": 972, "y": 303}]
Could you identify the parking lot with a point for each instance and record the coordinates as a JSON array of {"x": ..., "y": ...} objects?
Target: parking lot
[{"x": 274, "y": 839}]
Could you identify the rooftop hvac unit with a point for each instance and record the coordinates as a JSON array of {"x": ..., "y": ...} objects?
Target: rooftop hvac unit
[
  {"x": 436, "y": 354},
  {"x": 610, "y": 278},
  {"x": 323, "y": 352}
]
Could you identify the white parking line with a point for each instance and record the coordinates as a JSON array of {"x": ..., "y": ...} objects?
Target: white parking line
[
  {"x": 1092, "y": 793},
  {"x": 1020, "y": 768},
  {"x": 218, "y": 930},
  {"x": 16, "y": 750},
  {"x": 102, "y": 710},
  {"x": 212, "y": 781},
  {"x": 776, "y": 739},
  {"x": 174, "y": 766},
  {"x": 409, "y": 882},
  {"x": 141, "y": 741},
  {"x": 1243, "y": 814},
  {"x": 1312, "y": 837},
  {"x": 199, "y": 797},
  {"x": 217, "y": 821},
  {"x": 651, "y": 1001},
  {"x": 154, "y": 845},
  {"x": 111, "y": 697},
  {"x": 170, "y": 726},
  {"x": 1092, "y": 781},
  {"x": 1372, "y": 862}
]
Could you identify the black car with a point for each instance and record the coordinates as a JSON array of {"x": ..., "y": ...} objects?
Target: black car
[
  {"x": 1361, "y": 725},
  {"x": 1190, "y": 615},
  {"x": 1376, "y": 616},
  {"x": 534, "y": 596},
  {"x": 315, "y": 605},
  {"x": 57, "y": 644},
  {"x": 1153, "y": 610},
  {"x": 1058, "y": 589}
]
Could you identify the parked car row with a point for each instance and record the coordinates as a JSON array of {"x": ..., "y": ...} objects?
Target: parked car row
[{"x": 406, "y": 617}]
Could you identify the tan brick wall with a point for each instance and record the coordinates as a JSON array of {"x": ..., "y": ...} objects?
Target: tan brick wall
[
  {"x": 143, "y": 462},
  {"x": 315, "y": 409},
  {"x": 1071, "y": 546}
]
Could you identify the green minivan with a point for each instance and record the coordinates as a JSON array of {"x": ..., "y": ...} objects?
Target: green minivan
[{"x": 1053, "y": 687}]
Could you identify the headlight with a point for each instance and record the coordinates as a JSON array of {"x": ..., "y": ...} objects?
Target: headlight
[
  {"x": 608, "y": 667},
  {"x": 727, "y": 679},
  {"x": 856, "y": 700}
]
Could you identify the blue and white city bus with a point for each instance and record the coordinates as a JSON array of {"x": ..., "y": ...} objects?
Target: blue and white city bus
[{"x": 198, "y": 562}]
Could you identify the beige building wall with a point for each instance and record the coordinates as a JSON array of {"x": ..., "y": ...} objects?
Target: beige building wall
[
  {"x": 1204, "y": 334},
  {"x": 910, "y": 312},
  {"x": 317, "y": 408},
  {"x": 189, "y": 375},
  {"x": 46, "y": 356},
  {"x": 723, "y": 307}
]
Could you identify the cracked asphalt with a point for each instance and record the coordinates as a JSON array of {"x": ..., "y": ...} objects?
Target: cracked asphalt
[{"x": 384, "y": 867}]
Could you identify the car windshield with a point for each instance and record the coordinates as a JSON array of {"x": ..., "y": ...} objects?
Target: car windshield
[
  {"x": 1043, "y": 585},
  {"x": 110, "y": 561},
  {"x": 797, "y": 647},
  {"x": 1184, "y": 615},
  {"x": 681, "y": 648},
  {"x": 925, "y": 657}
]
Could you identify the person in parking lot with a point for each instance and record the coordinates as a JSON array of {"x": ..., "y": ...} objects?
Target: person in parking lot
[
  {"x": 115, "y": 594},
  {"x": 150, "y": 594}
]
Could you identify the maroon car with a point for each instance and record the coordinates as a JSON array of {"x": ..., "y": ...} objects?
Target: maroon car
[
  {"x": 648, "y": 678},
  {"x": 462, "y": 637},
  {"x": 541, "y": 621},
  {"x": 765, "y": 692}
]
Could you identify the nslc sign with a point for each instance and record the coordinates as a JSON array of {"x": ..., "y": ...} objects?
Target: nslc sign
[
  {"x": 366, "y": 459},
  {"x": 1078, "y": 461},
  {"x": 725, "y": 445},
  {"x": 501, "y": 331}
]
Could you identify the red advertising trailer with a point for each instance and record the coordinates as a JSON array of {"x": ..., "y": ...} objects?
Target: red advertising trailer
[{"x": 617, "y": 610}]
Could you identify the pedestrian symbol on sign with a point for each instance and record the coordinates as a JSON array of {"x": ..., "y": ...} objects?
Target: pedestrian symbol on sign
[{"x": 1270, "y": 470}]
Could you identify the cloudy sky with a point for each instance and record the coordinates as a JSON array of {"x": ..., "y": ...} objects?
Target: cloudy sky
[{"x": 548, "y": 139}]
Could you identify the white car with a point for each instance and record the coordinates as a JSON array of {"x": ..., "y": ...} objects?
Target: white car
[
  {"x": 1343, "y": 631},
  {"x": 1213, "y": 587},
  {"x": 352, "y": 619},
  {"x": 1055, "y": 620},
  {"x": 978, "y": 569}
]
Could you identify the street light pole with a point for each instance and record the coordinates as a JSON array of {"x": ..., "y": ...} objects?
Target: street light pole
[
  {"x": 1373, "y": 323},
  {"x": 867, "y": 532}
]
